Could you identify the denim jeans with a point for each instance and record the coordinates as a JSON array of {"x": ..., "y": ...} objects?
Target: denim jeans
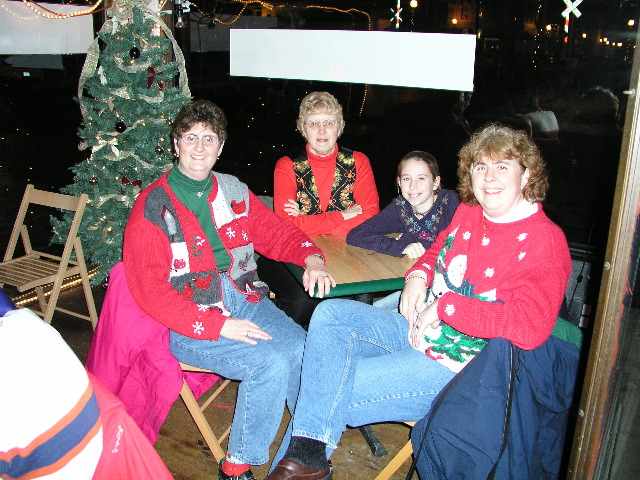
[
  {"x": 359, "y": 368},
  {"x": 269, "y": 372},
  {"x": 390, "y": 302}
]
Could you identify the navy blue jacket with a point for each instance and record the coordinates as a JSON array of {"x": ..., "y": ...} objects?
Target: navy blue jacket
[{"x": 471, "y": 433}]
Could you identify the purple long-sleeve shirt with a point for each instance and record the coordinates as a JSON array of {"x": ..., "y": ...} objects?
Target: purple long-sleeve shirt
[{"x": 398, "y": 217}]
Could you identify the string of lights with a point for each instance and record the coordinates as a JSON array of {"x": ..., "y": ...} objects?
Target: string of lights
[
  {"x": 40, "y": 10},
  {"x": 31, "y": 295},
  {"x": 350, "y": 10},
  {"x": 272, "y": 6},
  {"x": 43, "y": 11}
]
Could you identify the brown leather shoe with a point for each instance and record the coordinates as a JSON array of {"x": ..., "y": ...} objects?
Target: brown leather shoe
[{"x": 288, "y": 470}]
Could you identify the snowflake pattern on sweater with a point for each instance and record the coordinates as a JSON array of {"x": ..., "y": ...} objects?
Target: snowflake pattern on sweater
[
  {"x": 170, "y": 263},
  {"x": 504, "y": 266}
]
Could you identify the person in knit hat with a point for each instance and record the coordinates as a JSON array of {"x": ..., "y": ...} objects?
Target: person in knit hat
[
  {"x": 499, "y": 269},
  {"x": 189, "y": 263}
]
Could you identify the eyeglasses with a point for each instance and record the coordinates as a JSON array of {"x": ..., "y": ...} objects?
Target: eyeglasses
[
  {"x": 207, "y": 140},
  {"x": 315, "y": 124}
]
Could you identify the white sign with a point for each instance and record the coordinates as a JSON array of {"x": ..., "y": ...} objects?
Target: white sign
[{"x": 406, "y": 59}]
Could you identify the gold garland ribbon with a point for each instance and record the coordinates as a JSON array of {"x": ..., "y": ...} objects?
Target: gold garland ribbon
[{"x": 121, "y": 11}]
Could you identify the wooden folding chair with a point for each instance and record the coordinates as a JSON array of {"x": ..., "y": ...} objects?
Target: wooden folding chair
[
  {"x": 37, "y": 269},
  {"x": 197, "y": 412},
  {"x": 396, "y": 462}
]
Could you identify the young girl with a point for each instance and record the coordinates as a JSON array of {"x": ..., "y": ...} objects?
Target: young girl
[{"x": 418, "y": 213}]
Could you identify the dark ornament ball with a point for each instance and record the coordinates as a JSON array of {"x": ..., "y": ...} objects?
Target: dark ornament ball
[
  {"x": 134, "y": 52},
  {"x": 159, "y": 150},
  {"x": 93, "y": 180},
  {"x": 120, "y": 126}
]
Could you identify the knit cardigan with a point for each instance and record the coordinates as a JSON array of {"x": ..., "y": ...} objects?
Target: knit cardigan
[
  {"x": 365, "y": 193},
  {"x": 398, "y": 217},
  {"x": 493, "y": 280},
  {"x": 169, "y": 263}
]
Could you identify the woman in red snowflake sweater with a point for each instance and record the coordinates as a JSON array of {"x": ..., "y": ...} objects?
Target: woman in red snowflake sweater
[
  {"x": 499, "y": 269},
  {"x": 189, "y": 261}
]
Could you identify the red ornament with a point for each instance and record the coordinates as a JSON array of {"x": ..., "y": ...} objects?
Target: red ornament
[{"x": 179, "y": 264}]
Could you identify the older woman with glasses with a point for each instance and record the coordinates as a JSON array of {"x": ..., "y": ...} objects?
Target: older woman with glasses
[
  {"x": 324, "y": 190},
  {"x": 189, "y": 262}
]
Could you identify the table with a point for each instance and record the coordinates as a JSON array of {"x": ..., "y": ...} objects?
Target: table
[{"x": 359, "y": 272}]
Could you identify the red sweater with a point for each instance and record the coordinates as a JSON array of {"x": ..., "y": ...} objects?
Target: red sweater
[
  {"x": 323, "y": 168},
  {"x": 499, "y": 280},
  {"x": 170, "y": 266}
]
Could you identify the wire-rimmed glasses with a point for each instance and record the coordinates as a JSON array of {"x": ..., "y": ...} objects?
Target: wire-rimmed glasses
[
  {"x": 207, "y": 140},
  {"x": 315, "y": 124}
]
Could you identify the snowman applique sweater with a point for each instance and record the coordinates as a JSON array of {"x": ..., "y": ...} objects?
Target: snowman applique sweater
[{"x": 493, "y": 280}]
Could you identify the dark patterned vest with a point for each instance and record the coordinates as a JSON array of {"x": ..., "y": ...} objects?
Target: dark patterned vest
[{"x": 342, "y": 189}]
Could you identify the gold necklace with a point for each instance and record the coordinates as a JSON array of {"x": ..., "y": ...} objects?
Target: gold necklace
[
  {"x": 485, "y": 239},
  {"x": 199, "y": 194}
]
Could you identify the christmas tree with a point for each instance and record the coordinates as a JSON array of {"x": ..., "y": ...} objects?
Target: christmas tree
[{"x": 128, "y": 95}]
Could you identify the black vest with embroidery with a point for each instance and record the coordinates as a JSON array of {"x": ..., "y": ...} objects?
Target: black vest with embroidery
[{"x": 342, "y": 189}]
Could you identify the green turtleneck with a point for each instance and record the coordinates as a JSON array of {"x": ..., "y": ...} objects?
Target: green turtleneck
[{"x": 186, "y": 189}]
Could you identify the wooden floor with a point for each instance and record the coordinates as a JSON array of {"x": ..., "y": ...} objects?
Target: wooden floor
[{"x": 181, "y": 446}]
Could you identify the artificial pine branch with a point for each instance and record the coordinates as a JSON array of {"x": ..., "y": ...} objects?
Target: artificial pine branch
[{"x": 129, "y": 92}]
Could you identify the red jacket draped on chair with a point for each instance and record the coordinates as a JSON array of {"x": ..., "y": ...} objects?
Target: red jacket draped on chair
[{"x": 130, "y": 354}]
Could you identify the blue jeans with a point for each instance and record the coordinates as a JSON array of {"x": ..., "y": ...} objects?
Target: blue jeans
[
  {"x": 269, "y": 372},
  {"x": 359, "y": 368},
  {"x": 390, "y": 302}
]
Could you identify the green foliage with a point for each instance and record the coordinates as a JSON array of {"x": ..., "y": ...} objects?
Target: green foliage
[{"x": 129, "y": 101}]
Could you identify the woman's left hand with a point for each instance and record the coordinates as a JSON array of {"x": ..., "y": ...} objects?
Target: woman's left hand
[
  {"x": 316, "y": 273},
  {"x": 292, "y": 208},
  {"x": 428, "y": 318}
]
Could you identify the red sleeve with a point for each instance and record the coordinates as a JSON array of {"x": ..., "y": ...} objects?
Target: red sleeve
[
  {"x": 276, "y": 238},
  {"x": 330, "y": 223},
  {"x": 526, "y": 319},
  {"x": 147, "y": 260}
]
